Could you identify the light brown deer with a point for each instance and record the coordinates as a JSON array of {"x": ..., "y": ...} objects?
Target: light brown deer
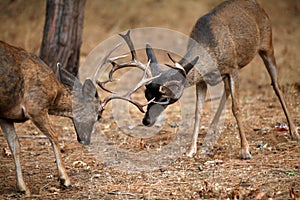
[
  {"x": 221, "y": 43},
  {"x": 30, "y": 90}
]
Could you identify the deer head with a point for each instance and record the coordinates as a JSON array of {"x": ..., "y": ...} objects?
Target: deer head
[
  {"x": 165, "y": 89},
  {"x": 87, "y": 105}
]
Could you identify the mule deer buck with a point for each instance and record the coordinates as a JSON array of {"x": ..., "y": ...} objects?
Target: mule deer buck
[
  {"x": 221, "y": 43},
  {"x": 30, "y": 90}
]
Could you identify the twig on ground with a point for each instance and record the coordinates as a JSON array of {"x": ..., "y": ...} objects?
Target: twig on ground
[
  {"x": 116, "y": 192},
  {"x": 33, "y": 137}
]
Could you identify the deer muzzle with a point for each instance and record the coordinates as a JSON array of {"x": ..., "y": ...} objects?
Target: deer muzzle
[{"x": 153, "y": 111}]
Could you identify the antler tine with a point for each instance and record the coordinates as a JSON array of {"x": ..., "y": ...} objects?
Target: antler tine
[
  {"x": 144, "y": 80},
  {"x": 176, "y": 65},
  {"x": 127, "y": 96},
  {"x": 101, "y": 84},
  {"x": 129, "y": 42},
  {"x": 104, "y": 61},
  {"x": 134, "y": 62},
  {"x": 117, "y": 66},
  {"x": 172, "y": 59}
]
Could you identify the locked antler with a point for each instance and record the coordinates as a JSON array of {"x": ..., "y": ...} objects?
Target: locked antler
[
  {"x": 115, "y": 66},
  {"x": 127, "y": 96},
  {"x": 134, "y": 62}
]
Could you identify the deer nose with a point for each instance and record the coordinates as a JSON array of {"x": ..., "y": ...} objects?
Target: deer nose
[
  {"x": 84, "y": 142},
  {"x": 147, "y": 121}
]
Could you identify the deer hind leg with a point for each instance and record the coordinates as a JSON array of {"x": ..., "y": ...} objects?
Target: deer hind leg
[
  {"x": 270, "y": 63},
  {"x": 43, "y": 123},
  {"x": 200, "y": 98},
  {"x": 13, "y": 143},
  {"x": 234, "y": 90}
]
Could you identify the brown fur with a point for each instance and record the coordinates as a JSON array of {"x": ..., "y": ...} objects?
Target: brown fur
[
  {"x": 225, "y": 40},
  {"x": 30, "y": 90}
]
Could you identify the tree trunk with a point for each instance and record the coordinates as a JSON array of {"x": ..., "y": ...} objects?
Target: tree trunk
[{"x": 62, "y": 34}]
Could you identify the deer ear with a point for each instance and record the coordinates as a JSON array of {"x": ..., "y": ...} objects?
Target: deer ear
[
  {"x": 57, "y": 71},
  {"x": 64, "y": 76},
  {"x": 172, "y": 89},
  {"x": 150, "y": 54},
  {"x": 154, "y": 66},
  {"x": 163, "y": 90},
  {"x": 89, "y": 89},
  {"x": 190, "y": 65}
]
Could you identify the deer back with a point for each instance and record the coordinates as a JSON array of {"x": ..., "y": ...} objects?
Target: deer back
[
  {"x": 227, "y": 37},
  {"x": 26, "y": 80}
]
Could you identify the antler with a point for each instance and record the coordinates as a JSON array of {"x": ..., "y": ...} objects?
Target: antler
[
  {"x": 115, "y": 66},
  {"x": 134, "y": 62},
  {"x": 104, "y": 61},
  {"x": 127, "y": 96},
  {"x": 176, "y": 66}
]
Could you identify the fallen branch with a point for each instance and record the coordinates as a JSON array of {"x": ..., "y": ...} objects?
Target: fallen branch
[
  {"x": 33, "y": 137},
  {"x": 116, "y": 192}
]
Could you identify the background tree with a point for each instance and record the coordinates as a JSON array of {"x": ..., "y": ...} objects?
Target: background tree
[{"x": 62, "y": 33}]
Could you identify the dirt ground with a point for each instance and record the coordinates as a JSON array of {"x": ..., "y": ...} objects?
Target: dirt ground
[{"x": 271, "y": 173}]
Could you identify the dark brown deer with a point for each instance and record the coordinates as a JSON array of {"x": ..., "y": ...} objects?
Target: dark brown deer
[
  {"x": 221, "y": 43},
  {"x": 30, "y": 90}
]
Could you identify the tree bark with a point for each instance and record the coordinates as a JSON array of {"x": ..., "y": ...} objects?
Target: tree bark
[{"x": 62, "y": 34}]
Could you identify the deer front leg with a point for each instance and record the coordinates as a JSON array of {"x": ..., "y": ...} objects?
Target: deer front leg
[
  {"x": 214, "y": 124},
  {"x": 43, "y": 123},
  {"x": 200, "y": 98},
  {"x": 234, "y": 90},
  {"x": 13, "y": 143}
]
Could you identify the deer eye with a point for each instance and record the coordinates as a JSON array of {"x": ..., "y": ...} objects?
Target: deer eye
[
  {"x": 152, "y": 91},
  {"x": 148, "y": 94}
]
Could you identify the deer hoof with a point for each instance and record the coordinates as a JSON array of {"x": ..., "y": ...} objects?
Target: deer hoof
[
  {"x": 190, "y": 152},
  {"x": 24, "y": 192},
  {"x": 65, "y": 183},
  {"x": 246, "y": 155}
]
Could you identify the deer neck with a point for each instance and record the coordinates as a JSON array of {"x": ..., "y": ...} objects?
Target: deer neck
[
  {"x": 206, "y": 70},
  {"x": 193, "y": 77},
  {"x": 63, "y": 103}
]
